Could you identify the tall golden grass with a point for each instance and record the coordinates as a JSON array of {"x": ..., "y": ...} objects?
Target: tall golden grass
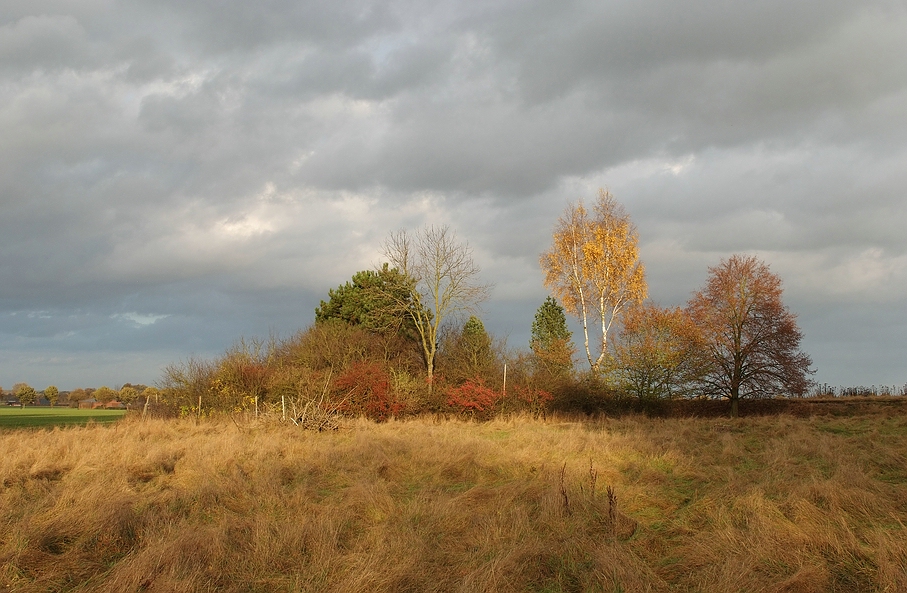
[{"x": 635, "y": 504}]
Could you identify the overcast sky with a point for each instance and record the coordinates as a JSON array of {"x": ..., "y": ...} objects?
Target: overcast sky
[{"x": 174, "y": 175}]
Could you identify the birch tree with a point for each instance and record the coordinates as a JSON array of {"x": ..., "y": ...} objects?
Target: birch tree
[
  {"x": 593, "y": 267},
  {"x": 444, "y": 282}
]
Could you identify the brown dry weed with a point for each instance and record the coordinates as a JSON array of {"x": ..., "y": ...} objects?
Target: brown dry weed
[{"x": 773, "y": 504}]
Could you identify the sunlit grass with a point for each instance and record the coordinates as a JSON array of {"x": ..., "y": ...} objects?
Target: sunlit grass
[{"x": 757, "y": 504}]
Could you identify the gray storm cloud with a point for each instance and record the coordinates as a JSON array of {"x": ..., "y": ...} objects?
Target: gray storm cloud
[{"x": 176, "y": 174}]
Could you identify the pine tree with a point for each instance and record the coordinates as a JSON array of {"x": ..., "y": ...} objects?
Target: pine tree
[
  {"x": 371, "y": 300},
  {"x": 468, "y": 353},
  {"x": 551, "y": 339},
  {"x": 476, "y": 343}
]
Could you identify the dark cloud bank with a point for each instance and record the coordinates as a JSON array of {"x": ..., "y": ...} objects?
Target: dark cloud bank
[{"x": 174, "y": 175}]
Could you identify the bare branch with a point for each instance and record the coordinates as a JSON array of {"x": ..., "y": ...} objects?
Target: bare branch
[{"x": 444, "y": 281}]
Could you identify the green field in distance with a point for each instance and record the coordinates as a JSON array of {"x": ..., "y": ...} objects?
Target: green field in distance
[{"x": 36, "y": 417}]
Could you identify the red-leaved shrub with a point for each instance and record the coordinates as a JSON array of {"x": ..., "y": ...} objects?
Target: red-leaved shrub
[
  {"x": 473, "y": 397},
  {"x": 536, "y": 400},
  {"x": 366, "y": 389}
]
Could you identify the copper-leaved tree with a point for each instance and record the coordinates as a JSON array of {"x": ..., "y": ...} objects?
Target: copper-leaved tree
[
  {"x": 752, "y": 339},
  {"x": 593, "y": 267}
]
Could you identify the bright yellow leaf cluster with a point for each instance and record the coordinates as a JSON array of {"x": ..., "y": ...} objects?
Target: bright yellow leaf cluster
[{"x": 593, "y": 265}]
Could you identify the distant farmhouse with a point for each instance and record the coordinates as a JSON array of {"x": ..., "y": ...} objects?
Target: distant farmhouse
[{"x": 93, "y": 404}]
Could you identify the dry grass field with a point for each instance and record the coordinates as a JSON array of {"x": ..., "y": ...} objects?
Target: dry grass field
[{"x": 757, "y": 504}]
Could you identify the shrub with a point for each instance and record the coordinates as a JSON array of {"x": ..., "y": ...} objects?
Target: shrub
[
  {"x": 533, "y": 399},
  {"x": 473, "y": 397},
  {"x": 366, "y": 388}
]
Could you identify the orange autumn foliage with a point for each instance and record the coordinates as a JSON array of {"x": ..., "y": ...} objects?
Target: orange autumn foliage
[
  {"x": 753, "y": 340},
  {"x": 593, "y": 266},
  {"x": 660, "y": 352}
]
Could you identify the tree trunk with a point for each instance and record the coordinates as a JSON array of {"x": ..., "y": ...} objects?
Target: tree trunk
[{"x": 586, "y": 338}]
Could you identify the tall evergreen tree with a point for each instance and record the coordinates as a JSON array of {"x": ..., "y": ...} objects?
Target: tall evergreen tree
[
  {"x": 551, "y": 338},
  {"x": 477, "y": 344},
  {"x": 468, "y": 354}
]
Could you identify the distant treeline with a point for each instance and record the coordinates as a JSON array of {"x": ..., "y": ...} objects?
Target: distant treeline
[
  {"x": 127, "y": 394},
  {"x": 826, "y": 390}
]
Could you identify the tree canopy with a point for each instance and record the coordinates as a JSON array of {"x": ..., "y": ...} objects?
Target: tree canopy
[
  {"x": 593, "y": 266},
  {"x": 25, "y": 393},
  {"x": 376, "y": 300},
  {"x": 659, "y": 353},
  {"x": 52, "y": 394},
  {"x": 752, "y": 339}
]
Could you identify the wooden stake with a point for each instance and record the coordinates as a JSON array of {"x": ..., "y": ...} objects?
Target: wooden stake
[{"x": 504, "y": 391}]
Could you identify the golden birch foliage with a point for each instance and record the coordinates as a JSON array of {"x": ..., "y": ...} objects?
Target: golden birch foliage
[{"x": 593, "y": 266}]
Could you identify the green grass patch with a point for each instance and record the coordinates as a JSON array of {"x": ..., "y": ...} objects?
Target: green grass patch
[
  {"x": 498, "y": 435},
  {"x": 11, "y": 418},
  {"x": 847, "y": 428}
]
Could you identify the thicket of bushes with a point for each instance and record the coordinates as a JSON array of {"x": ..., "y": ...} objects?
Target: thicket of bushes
[
  {"x": 334, "y": 367},
  {"x": 344, "y": 368}
]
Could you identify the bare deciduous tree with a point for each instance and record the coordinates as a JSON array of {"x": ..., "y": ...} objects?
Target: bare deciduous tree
[{"x": 443, "y": 278}]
